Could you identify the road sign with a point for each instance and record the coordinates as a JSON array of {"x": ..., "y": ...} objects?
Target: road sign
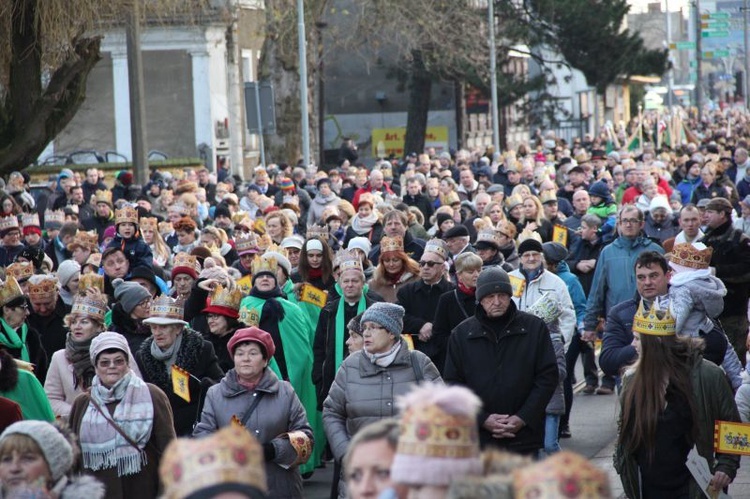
[
  {"x": 715, "y": 54},
  {"x": 714, "y": 34},
  {"x": 693, "y": 64},
  {"x": 711, "y": 24},
  {"x": 715, "y": 15},
  {"x": 682, "y": 46},
  {"x": 264, "y": 98}
]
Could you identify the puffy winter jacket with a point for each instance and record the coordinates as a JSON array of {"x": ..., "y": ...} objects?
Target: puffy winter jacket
[{"x": 547, "y": 282}]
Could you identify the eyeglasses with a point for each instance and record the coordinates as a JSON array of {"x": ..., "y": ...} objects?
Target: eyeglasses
[
  {"x": 530, "y": 255},
  {"x": 428, "y": 264},
  {"x": 630, "y": 221},
  {"x": 368, "y": 329},
  {"x": 116, "y": 362},
  {"x": 25, "y": 306}
]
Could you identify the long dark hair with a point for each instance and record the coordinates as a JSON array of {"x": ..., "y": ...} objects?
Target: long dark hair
[
  {"x": 664, "y": 361},
  {"x": 326, "y": 266}
]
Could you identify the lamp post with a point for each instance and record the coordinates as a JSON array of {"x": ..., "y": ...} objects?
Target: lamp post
[
  {"x": 303, "y": 83},
  {"x": 493, "y": 78}
]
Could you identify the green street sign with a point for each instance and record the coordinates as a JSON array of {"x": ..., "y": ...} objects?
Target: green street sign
[
  {"x": 714, "y": 34},
  {"x": 683, "y": 45},
  {"x": 711, "y": 24},
  {"x": 718, "y": 15},
  {"x": 715, "y": 54}
]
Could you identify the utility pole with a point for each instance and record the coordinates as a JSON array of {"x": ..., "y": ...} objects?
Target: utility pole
[
  {"x": 698, "y": 60},
  {"x": 137, "y": 102},
  {"x": 747, "y": 56},
  {"x": 493, "y": 78},
  {"x": 303, "y": 83},
  {"x": 670, "y": 76}
]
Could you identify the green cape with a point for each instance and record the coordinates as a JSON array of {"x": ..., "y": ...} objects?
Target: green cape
[{"x": 29, "y": 394}]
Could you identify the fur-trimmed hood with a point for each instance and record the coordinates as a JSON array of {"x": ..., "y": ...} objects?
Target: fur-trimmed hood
[
  {"x": 83, "y": 486},
  {"x": 188, "y": 358}
]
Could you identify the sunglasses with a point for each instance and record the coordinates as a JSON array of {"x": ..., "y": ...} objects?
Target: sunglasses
[{"x": 429, "y": 264}]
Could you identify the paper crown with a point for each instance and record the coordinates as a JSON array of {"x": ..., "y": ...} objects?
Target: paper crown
[
  {"x": 149, "y": 223},
  {"x": 85, "y": 240},
  {"x": 91, "y": 281},
  {"x": 94, "y": 307},
  {"x": 8, "y": 223},
  {"x": 264, "y": 265},
  {"x": 246, "y": 243},
  {"x": 186, "y": 260},
  {"x": 165, "y": 228},
  {"x": 391, "y": 244},
  {"x": 94, "y": 259},
  {"x": 438, "y": 247},
  {"x": 126, "y": 214},
  {"x": 654, "y": 322},
  {"x": 547, "y": 196},
  {"x": 264, "y": 242},
  {"x": 564, "y": 474},
  {"x": 513, "y": 201},
  {"x": 53, "y": 218},
  {"x": 319, "y": 231},
  {"x": 489, "y": 236},
  {"x": 213, "y": 249},
  {"x": 9, "y": 290},
  {"x": 231, "y": 455},
  {"x": 244, "y": 222},
  {"x": 20, "y": 270},
  {"x": 43, "y": 287},
  {"x": 347, "y": 260},
  {"x": 30, "y": 220},
  {"x": 103, "y": 196},
  {"x": 239, "y": 215},
  {"x": 366, "y": 198},
  {"x": 507, "y": 228},
  {"x": 167, "y": 308},
  {"x": 687, "y": 255},
  {"x": 227, "y": 298}
]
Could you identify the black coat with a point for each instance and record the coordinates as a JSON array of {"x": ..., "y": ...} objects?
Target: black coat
[
  {"x": 510, "y": 364},
  {"x": 731, "y": 258},
  {"x": 422, "y": 202},
  {"x": 452, "y": 309},
  {"x": 197, "y": 357},
  {"x": 412, "y": 246},
  {"x": 420, "y": 301},
  {"x": 584, "y": 250},
  {"x": 324, "y": 345},
  {"x": 52, "y": 330},
  {"x": 136, "y": 333},
  {"x": 376, "y": 232}
]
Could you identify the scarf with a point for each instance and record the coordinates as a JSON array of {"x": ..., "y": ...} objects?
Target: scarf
[
  {"x": 384, "y": 359},
  {"x": 77, "y": 353},
  {"x": 395, "y": 278},
  {"x": 15, "y": 342},
  {"x": 315, "y": 273},
  {"x": 466, "y": 289},
  {"x": 340, "y": 325},
  {"x": 530, "y": 275},
  {"x": 102, "y": 446},
  {"x": 272, "y": 306},
  {"x": 167, "y": 356},
  {"x": 680, "y": 238},
  {"x": 363, "y": 225}
]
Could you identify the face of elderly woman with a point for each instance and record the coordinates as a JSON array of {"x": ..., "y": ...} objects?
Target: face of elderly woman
[
  {"x": 376, "y": 338},
  {"x": 248, "y": 360},
  {"x": 22, "y": 463},
  {"x": 111, "y": 367},
  {"x": 83, "y": 328},
  {"x": 165, "y": 334}
]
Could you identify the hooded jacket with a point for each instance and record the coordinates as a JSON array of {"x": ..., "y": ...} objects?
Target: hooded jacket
[{"x": 318, "y": 206}]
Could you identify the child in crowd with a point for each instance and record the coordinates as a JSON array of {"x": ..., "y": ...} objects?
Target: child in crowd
[
  {"x": 129, "y": 239},
  {"x": 604, "y": 207}
]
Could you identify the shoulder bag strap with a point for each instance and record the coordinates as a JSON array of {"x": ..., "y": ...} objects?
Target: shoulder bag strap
[
  {"x": 418, "y": 374},
  {"x": 113, "y": 423},
  {"x": 251, "y": 409},
  {"x": 460, "y": 305}
]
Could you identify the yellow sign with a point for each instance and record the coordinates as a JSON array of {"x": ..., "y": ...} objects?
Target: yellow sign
[
  {"x": 560, "y": 235},
  {"x": 245, "y": 283},
  {"x": 313, "y": 295},
  {"x": 250, "y": 316},
  {"x": 181, "y": 383},
  {"x": 518, "y": 285},
  {"x": 391, "y": 140},
  {"x": 732, "y": 438}
]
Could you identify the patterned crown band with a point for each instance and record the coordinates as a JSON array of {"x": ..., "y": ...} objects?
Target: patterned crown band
[
  {"x": 687, "y": 255},
  {"x": 653, "y": 322},
  {"x": 391, "y": 244},
  {"x": 434, "y": 433},
  {"x": 438, "y": 247},
  {"x": 89, "y": 307},
  {"x": 126, "y": 214}
]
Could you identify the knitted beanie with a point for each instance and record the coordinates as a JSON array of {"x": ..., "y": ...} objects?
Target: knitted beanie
[
  {"x": 493, "y": 280},
  {"x": 388, "y": 315},
  {"x": 361, "y": 243},
  {"x": 442, "y": 217},
  {"x": 56, "y": 449},
  {"x": 530, "y": 245},
  {"x": 67, "y": 271},
  {"x": 106, "y": 341},
  {"x": 129, "y": 294}
]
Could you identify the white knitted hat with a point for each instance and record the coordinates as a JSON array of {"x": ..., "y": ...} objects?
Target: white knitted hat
[{"x": 56, "y": 449}]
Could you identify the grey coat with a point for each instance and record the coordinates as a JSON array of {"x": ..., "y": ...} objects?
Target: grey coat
[
  {"x": 363, "y": 393},
  {"x": 556, "y": 404},
  {"x": 278, "y": 413}
]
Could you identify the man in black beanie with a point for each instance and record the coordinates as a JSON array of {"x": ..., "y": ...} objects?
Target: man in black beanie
[{"x": 506, "y": 357}]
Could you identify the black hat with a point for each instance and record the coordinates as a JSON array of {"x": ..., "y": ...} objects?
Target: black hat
[
  {"x": 442, "y": 217},
  {"x": 554, "y": 252},
  {"x": 146, "y": 274},
  {"x": 222, "y": 210},
  {"x": 530, "y": 244},
  {"x": 492, "y": 280},
  {"x": 321, "y": 181},
  {"x": 576, "y": 169},
  {"x": 456, "y": 231}
]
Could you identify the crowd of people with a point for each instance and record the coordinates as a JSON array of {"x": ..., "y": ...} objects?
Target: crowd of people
[{"x": 415, "y": 324}]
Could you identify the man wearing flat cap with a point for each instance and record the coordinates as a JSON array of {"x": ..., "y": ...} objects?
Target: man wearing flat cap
[
  {"x": 731, "y": 259},
  {"x": 457, "y": 241}
]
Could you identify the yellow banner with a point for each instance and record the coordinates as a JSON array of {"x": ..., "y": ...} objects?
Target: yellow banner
[
  {"x": 313, "y": 295},
  {"x": 392, "y": 140},
  {"x": 732, "y": 438},
  {"x": 245, "y": 283},
  {"x": 181, "y": 383},
  {"x": 560, "y": 235},
  {"x": 518, "y": 285}
]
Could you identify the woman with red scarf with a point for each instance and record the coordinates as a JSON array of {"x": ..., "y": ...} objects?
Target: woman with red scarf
[{"x": 394, "y": 270}]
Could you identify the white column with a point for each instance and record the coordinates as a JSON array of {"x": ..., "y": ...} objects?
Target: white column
[
  {"x": 123, "y": 141},
  {"x": 202, "y": 98}
]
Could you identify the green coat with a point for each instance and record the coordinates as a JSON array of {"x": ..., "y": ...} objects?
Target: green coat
[
  {"x": 713, "y": 401},
  {"x": 297, "y": 338},
  {"x": 29, "y": 394}
]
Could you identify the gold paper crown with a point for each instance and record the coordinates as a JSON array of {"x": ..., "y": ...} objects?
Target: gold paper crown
[
  {"x": 103, "y": 196},
  {"x": 438, "y": 247},
  {"x": 149, "y": 223},
  {"x": 319, "y": 231},
  {"x": 245, "y": 222},
  {"x": 86, "y": 240},
  {"x": 654, "y": 322},
  {"x": 238, "y": 216},
  {"x": 44, "y": 288},
  {"x": 90, "y": 306},
  {"x": 165, "y": 228},
  {"x": 513, "y": 201},
  {"x": 547, "y": 196},
  {"x": 488, "y": 236},
  {"x": 687, "y": 255},
  {"x": 264, "y": 242},
  {"x": 7, "y": 223},
  {"x": 230, "y": 455},
  {"x": 213, "y": 249},
  {"x": 245, "y": 243},
  {"x": 260, "y": 265},
  {"x": 126, "y": 214},
  {"x": 183, "y": 259},
  {"x": 9, "y": 290},
  {"x": 94, "y": 259},
  {"x": 367, "y": 198},
  {"x": 20, "y": 270},
  {"x": 221, "y": 297},
  {"x": 564, "y": 474},
  {"x": 391, "y": 244},
  {"x": 348, "y": 260},
  {"x": 507, "y": 228},
  {"x": 30, "y": 220},
  {"x": 56, "y": 216},
  {"x": 91, "y": 281},
  {"x": 167, "y": 308}
]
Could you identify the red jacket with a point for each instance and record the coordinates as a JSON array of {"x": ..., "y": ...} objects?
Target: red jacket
[{"x": 384, "y": 191}]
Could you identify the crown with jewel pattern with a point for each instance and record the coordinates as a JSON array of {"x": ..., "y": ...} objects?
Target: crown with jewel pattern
[
  {"x": 20, "y": 270},
  {"x": 507, "y": 229},
  {"x": 547, "y": 196},
  {"x": 264, "y": 265},
  {"x": 564, "y": 474},
  {"x": 102, "y": 196},
  {"x": 91, "y": 281},
  {"x": 186, "y": 260},
  {"x": 8, "y": 223},
  {"x": 227, "y": 298},
  {"x": 348, "y": 260},
  {"x": 126, "y": 214},
  {"x": 319, "y": 231},
  {"x": 165, "y": 228},
  {"x": 86, "y": 240},
  {"x": 43, "y": 287},
  {"x": 93, "y": 306},
  {"x": 149, "y": 223},
  {"x": 54, "y": 218},
  {"x": 395, "y": 243},
  {"x": 438, "y": 247},
  {"x": 489, "y": 236},
  {"x": 246, "y": 243},
  {"x": 654, "y": 322},
  {"x": 9, "y": 290},
  {"x": 688, "y": 255},
  {"x": 30, "y": 220},
  {"x": 167, "y": 308}
]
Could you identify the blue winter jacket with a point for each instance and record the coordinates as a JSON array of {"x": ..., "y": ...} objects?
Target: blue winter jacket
[
  {"x": 686, "y": 188},
  {"x": 575, "y": 289}
]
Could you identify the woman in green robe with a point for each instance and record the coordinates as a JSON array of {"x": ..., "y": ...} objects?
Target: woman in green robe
[{"x": 22, "y": 387}]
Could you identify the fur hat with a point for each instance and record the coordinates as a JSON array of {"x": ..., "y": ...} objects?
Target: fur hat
[
  {"x": 388, "y": 315},
  {"x": 55, "y": 447}
]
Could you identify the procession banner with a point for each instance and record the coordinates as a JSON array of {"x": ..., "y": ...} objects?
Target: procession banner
[
  {"x": 311, "y": 294},
  {"x": 181, "y": 383},
  {"x": 732, "y": 438}
]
